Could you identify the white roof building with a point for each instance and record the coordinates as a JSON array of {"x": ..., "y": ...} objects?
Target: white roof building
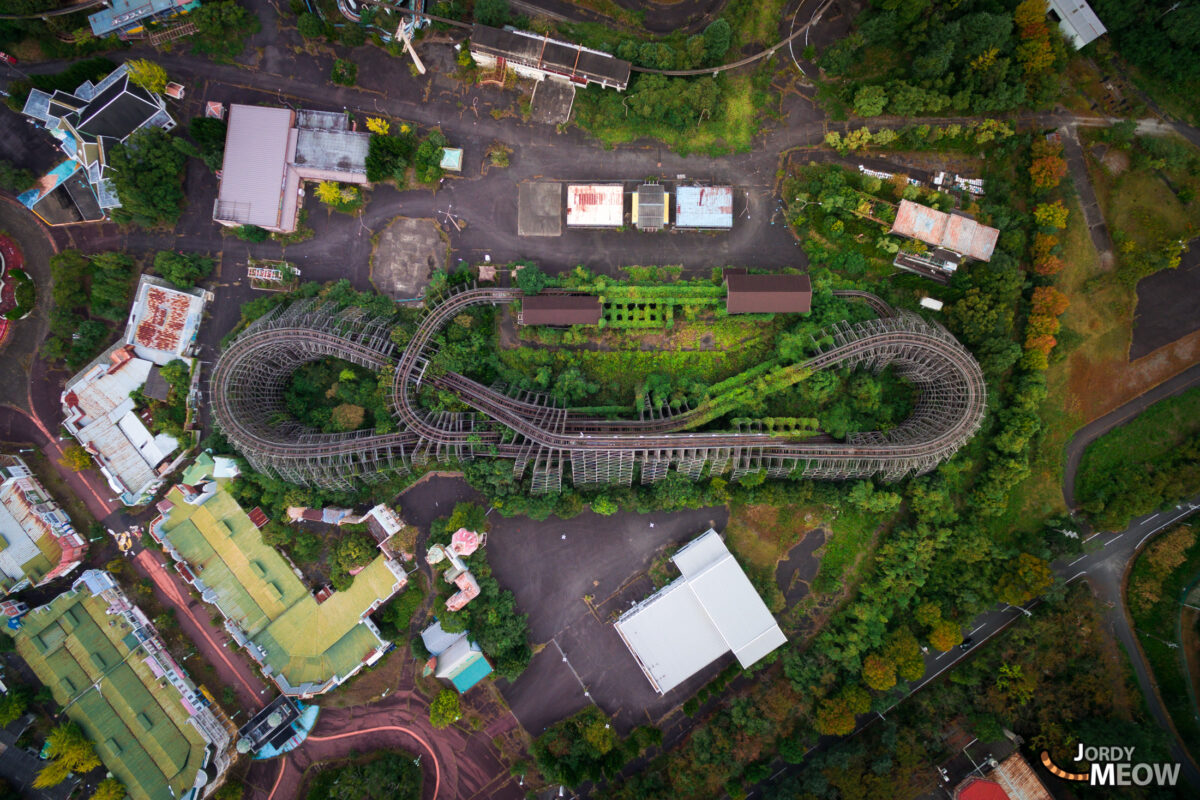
[
  {"x": 164, "y": 321},
  {"x": 710, "y": 610},
  {"x": 1077, "y": 21},
  {"x": 98, "y": 411},
  {"x": 595, "y": 205}
]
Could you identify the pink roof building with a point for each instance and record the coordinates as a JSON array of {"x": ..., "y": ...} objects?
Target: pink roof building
[
  {"x": 468, "y": 590},
  {"x": 465, "y": 542}
]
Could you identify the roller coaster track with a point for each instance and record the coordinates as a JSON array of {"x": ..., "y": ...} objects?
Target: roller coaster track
[{"x": 250, "y": 376}]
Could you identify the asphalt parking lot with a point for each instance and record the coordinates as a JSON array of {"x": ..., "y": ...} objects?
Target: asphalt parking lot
[{"x": 1166, "y": 305}]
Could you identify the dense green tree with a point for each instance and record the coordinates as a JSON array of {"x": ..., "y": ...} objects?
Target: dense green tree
[
  {"x": 111, "y": 285},
  {"x": 428, "y": 159},
  {"x": 184, "y": 270},
  {"x": 531, "y": 280},
  {"x": 146, "y": 174},
  {"x": 495, "y": 13},
  {"x": 222, "y": 28},
  {"x": 209, "y": 136},
  {"x": 15, "y": 179},
  {"x": 384, "y": 775}
]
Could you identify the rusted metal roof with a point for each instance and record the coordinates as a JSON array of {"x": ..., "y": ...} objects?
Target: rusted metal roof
[
  {"x": 704, "y": 207},
  {"x": 950, "y": 231},
  {"x": 596, "y": 205},
  {"x": 164, "y": 321},
  {"x": 561, "y": 309},
  {"x": 767, "y": 294}
]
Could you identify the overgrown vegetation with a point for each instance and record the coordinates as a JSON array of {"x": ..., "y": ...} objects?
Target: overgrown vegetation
[
  {"x": 912, "y": 58},
  {"x": 1148, "y": 190},
  {"x": 335, "y": 396},
  {"x": 1159, "y": 585},
  {"x": 1146, "y": 464},
  {"x": 492, "y": 618},
  {"x": 586, "y": 747},
  {"x": 89, "y": 294},
  {"x": 1160, "y": 38},
  {"x": 169, "y": 416},
  {"x": 381, "y": 775},
  {"x": 147, "y": 174}
]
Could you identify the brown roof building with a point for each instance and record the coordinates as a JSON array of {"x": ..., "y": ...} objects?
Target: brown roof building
[
  {"x": 767, "y": 294},
  {"x": 560, "y": 309}
]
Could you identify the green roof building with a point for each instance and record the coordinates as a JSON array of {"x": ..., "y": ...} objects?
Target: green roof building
[
  {"x": 307, "y": 646},
  {"x": 105, "y": 664}
]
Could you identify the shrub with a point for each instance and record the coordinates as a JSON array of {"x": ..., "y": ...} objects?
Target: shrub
[
  {"x": 184, "y": 270},
  {"x": 344, "y": 73},
  {"x": 428, "y": 160},
  {"x": 444, "y": 711},
  {"x": 251, "y": 233}
]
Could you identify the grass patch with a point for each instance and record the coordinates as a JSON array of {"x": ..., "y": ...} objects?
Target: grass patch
[
  {"x": 731, "y": 128},
  {"x": 1154, "y": 432},
  {"x": 1167, "y": 569},
  {"x": 762, "y": 535},
  {"x": 849, "y": 537}
]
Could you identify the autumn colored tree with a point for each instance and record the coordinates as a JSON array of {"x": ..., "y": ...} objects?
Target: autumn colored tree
[
  {"x": 1047, "y": 172},
  {"x": 444, "y": 711},
  {"x": 109, "y": 789},
  {"x": 835, "y": 715},
  {"x": 1052, "y": 215},
  {"x": 75, "y": 458},
  {"x": 1049, "y": 301},
  {"x": 927, "y": 614},
  {"x": 1029, "y": 577},
  {"x": 1044, "y": 244},
  {"x": 1048, "y": 265},
  {"x": 945, "y": 635},
  {"x": 1041, "y": 325},
  {"x": 70, "y": 751},
  {"x": 904, "y": 651},
  {"x": 879, "y": 672},
  {"x": 1041, "y": 344},
  {"x": 378, "y": 125},
  {"x": 146, "y": 74}
]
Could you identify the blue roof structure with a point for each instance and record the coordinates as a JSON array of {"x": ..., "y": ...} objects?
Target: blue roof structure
[
  {"x": 704, "y": 207},
  {"x": 124, "y": 14},
  {"x": 475, "y": 669}
]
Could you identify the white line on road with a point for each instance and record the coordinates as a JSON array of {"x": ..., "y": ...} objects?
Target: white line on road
[
  {"x": 1076, "y": 561},
  {"x": 943, "y": 654},
  {"x": 1077, "y": 575},
  {"x": 977, "y": 627},
  {"x": 1178, "y": 516},
  {"x": 1113, "y": 539},
  {"x": 1093, "y": 536},
  {"x": 1152, "y": 516}
]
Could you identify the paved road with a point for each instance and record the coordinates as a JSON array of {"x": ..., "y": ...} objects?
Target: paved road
[{"x": 210, "y": 639}]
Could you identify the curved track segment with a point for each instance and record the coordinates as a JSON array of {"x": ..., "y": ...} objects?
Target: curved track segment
[{"x": 250, "y": 377}]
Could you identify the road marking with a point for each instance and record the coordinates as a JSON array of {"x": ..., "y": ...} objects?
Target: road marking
[
  {"x": 977, "y": 627},
  {"x": 1113, "y": 539},
  {"x": 1076, "y": 575},
  {"x": 1093, "y": 536},
  {"x": 1076, "y": 561},
  {"x": 943, "y": 654},
  {"x": 1152, "y": 516}
]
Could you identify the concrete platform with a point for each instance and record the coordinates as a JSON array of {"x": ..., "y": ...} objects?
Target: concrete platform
[
  {"x": 539, "y": 209},
  {"x": 552, "y": 102},
  {"x": 407, "y": 253}
]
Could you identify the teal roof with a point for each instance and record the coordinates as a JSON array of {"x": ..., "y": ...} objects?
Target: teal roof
[{"x": 474, "y": 669}]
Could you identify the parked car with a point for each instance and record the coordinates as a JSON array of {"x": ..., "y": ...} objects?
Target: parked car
[{"x": 7, "y": 59}]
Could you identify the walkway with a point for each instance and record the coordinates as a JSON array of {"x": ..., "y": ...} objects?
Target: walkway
[
  {"x": 457, "y": 762},
  {"x": 211, "y": 641}
]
